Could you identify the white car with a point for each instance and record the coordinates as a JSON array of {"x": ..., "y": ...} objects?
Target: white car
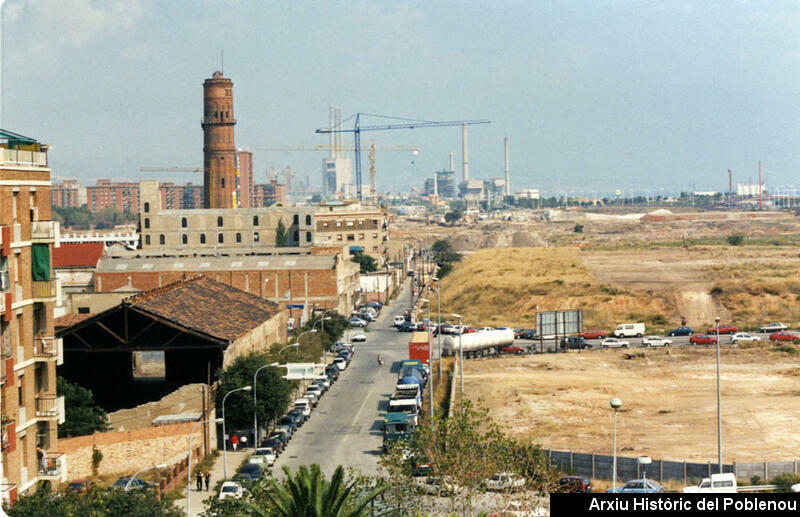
[
  {"x": 505, "y": 482},
  {"x": 230, "y": 489},
  {"x": 357, "y": 322},
  {"x": 656, "y": 341},
  {"x": 340, "y": 362},
  {"x": 263, "y": 456},
  {"x": 359, "y": 336},
  {"x": 399, "y": 320},
  {"x": 773, "y": 327},
  {"x": 744, "y": 336},
  {"x": 613, "y": 342}
]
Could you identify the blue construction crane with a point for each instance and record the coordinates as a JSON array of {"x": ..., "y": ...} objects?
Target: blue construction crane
[{"x": 406, "y": 124}]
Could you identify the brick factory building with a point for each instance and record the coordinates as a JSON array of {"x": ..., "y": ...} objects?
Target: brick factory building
[{"x": 31, "y": 409}]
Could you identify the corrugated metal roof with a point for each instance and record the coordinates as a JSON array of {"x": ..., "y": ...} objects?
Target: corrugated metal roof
[{"x": 240, "y": 263}]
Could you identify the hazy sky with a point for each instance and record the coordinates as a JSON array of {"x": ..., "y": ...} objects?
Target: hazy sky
[{"x": 638, "y": 95}]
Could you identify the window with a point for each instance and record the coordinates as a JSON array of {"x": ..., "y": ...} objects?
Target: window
[
  {"x": 296, "y": 236},
  {"x": 339, "y": 237},
  {"x": 349, "y": 224},
  {"x": 325, "y": 224},
  {"x": 374, "y": 235},
  {"x": 222, "y": 181},
  {"x": 83, "y": 310},
  {"x": 184, "y": 222},
  {"x": 296, "y": 219},
  {"x": 308, "y": 236},
  {"x": 202, "y": 238},
  {"x": 219, "y": 222},
  {"x": 351, "y": 237},
  {"x": 338, "y": 224},
  {"x": 184, "y": 239},
  {"x": 255, "y": 220},
  {"x": 146, "y": 222},
  {"x": 146, "y": 207},
  {"x": 308, "y": 220},
  {"x": 238, "y": 237},
  {"x": 255, "y": 236},
  {"x": 5, "y": 281},
  {"x": 361, "y": 236},
  {"x": 375, "y": 222},
  {"x": 220, "y": 238},
  {"x": 161, "y": 239},
  {"x": 147, "y": 240}
]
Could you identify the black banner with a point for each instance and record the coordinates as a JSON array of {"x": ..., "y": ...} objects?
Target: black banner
[{"x": 665, "y": 504}]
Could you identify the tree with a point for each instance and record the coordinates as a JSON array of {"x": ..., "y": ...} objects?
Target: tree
[
  {"x": 367, "y": 263},
  {"x": 443, "y": 252},
  {"x": 452, "y": 217},
  {"x": 82, "y": 416},
  {"x": 99, "y": 501},
  {"x": 272, "y": 391},
  {"x": 280, "y": 234}
]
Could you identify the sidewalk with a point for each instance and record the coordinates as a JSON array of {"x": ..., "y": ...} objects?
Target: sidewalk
[{"x": 217, "y": 474}]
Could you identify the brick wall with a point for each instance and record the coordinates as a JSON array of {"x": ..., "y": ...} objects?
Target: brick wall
[{"x": 125, "y": 452}]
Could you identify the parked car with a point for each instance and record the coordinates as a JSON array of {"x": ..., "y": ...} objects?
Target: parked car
[
  {"x": 772, "y": 327},
  {"x": 136, "y": 484},
  {"x": 323, "y": 381},
  {"x": 744, "y": 336},
  {"x": 357, "y": 322},
  {"x": 613, "y": 342},
  {"x": 340, "y": 362},
  {"x": 303, "y": 405},
  {"x": 785, "y": 335},
  {"x": 505, "y": 482},
  {"x": 332, "y": 371},
  {"x": 312, "y": 396},
  {"x": 529, "y": 334},
  {"x": 253, "y": 470},
  {"x": 703, "y": 339},
  {"x": 399, "y": 320},
  {"x": 263, "y": 456},
  {"x": 359, "y": 337},
  {"x": 656, "y": 341},
  {"x": 437, "y": 487},
  {"x": 298, "y": 414},
  {"x": 230, "y": 489},
  {"x": 287, "y": 421},
  {"x": 724, "y": 483},
  {"x": 80, "y": 486},
  {"x": 281, "y": 435},
  {"x": 637, "y": 486},
  {"x": 593, "y": 334},
  {"x": 275, "y": 444},
  {"x": 723, "y": 329},
  {"x": 681, "y": 331},
  {"x": 407, "y": 326},
  {"x": 574, "y": 343},
  {"x": 513, "y": 349},
  {"x": 574, "y": 485},
  {"x": 316, "y": 390},
  {"x": 346, "y": 355}
]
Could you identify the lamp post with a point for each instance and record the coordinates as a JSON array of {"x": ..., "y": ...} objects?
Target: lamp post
[
  {"x": 255, "y": 404},
  {"x": 615, "y": 405},
  {"x": 430, "y": 354},
  {"x": 189, "y": 468},
  {"x": 439, "y": 328},
  {"x": 719, "y": 407},
  {"x": 460, "y": 359},
  {"x": 130, "y": 480},
  {"x": 297, "y": 342},
  {"x": 644, "y": 460},
  {"x": 224, "y": 433}
]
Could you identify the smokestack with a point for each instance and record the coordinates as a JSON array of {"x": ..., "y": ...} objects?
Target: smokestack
[
  {"x": 465, "y": 152},
  {"x": 508, "y": 174},
  {"x": 452, "y": 165}
]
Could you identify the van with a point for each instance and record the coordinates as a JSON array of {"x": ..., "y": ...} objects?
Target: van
[
  {"x": 718, "y": 483},
  {"x": 303, "y": 405},
  {"x": 399, "y": 320},
  {"x": 629, "y": 330}
]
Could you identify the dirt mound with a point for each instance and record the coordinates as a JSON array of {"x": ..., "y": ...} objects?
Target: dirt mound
[{"x": 524, "y": 239}]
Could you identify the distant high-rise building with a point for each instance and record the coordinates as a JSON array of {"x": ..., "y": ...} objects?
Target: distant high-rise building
[
  {"x": 446, "y": 184},
  {"x": 337, "y": 168},
  {"x": 219, "y": 148},
  {"x": 69, "y": 194},
  {"x": 245, "y": 178},
  {"x": 121, "y": 196},
  {"x": 193, "y": 196}
]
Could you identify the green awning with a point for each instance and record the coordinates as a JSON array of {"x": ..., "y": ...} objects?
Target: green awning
[{"x": 40, "y": 262}]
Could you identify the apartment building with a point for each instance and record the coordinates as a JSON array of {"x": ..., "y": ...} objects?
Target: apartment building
[
  {"x": 265, "y": 194},
  {"x": 69, "y": 194},
  {"x": 121, "y": 196},
  {"x": 358, "y": 226},
  {"x": 30, "y": 409}
]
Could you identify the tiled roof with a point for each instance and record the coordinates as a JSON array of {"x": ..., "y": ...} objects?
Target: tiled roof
[
  {"x": 207, "y": 306},
  {"x": 77, "y": 254},
  {"x": 68, "y": 320},
  {"x": 210, "y": 263}
]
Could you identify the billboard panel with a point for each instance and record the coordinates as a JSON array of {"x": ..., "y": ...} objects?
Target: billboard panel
[{"x": 559, "y": 323}]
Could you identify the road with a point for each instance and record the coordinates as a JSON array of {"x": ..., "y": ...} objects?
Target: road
[{"x": 346, "y": 427}]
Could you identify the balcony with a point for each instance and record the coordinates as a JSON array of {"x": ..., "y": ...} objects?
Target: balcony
[
  {"x": 23, "y": 158},
  {"x": 46, "y": 348},
  {"x": 43, "y": 290},
  {"x": 44, "y": 231},
  {"x": 7, "y": 492},
  {"x": 52, "y": 465},
  {"x": 49, "y": 406}
]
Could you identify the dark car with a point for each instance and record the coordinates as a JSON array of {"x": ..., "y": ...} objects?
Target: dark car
[
  {"x": 276, "y": 444},
  {"x": 407, "y": 327},
  {"x": 332, "y": 371},
  {"x": 288, "y": 421},
  {"x": 80, "y": 486},
  {"x": 575, "y": 343},
  {"x": 254, "y": 470},
  {"x": 703, "y": 339},
  {"x": 298, "y": 415},
  {"x": 529, "y": 334},
  {"x": 574, "y": 485},
  {"x": 136, "y": 484},
  {"x": 681, "y": 331}
]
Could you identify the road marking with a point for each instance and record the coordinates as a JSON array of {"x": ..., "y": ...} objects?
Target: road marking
[{"x": 363, "y": 404}]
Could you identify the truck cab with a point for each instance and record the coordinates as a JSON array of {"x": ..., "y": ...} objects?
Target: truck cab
[{"x": 396, "y": 427}]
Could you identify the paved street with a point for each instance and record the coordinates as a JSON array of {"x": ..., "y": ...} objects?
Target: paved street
[{"x": 346, "y": 427}]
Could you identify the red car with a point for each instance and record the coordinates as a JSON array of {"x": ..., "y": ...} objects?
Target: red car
[
  {"x": 785, "y": 335},
  {"x": 724, "y": 329},
  {"x": 703, "y": 339},
  {"x": 513, "y": 349},
  {"x": 593, "y": 334}
]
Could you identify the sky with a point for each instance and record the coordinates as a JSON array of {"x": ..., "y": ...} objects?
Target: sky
[{"x": 643, "y": 96}]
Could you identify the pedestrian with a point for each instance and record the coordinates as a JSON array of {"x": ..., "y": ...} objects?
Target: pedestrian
[
  {"x": 199, "y": 480},
  {"x": 207, "y": 478},
  {"x": 244, "y": 441},
  {"x": 234, "y": 442}
]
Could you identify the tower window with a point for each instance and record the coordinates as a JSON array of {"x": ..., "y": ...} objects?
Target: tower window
[
  {"x": 308, "y": 220},
  {"x": 146, "y": 223},
  {"x": 184, "y": 222},
  {"x": 238, "y": 237},
  {"x": 255, "y": 220},
  {"x": 220, "y": 238},
  {"x": 296, "y": 236},
  {"x": 223, "y": 182},
  {"x": 146, "y": 206},
  {"x": 308, "y": 236},
  {"x": 161, "y": 239},
  {"x": 219, "y": 221},
  {"x": 202, "y": 238},
  {"x": 296, "y": 219},
  {"x": 147, "y": 240},
  {"x": 255, "y": 236},
  {"x": 184, "y": 239}
]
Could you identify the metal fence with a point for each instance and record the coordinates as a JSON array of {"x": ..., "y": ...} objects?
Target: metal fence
[{"x": 599, "y": 466}]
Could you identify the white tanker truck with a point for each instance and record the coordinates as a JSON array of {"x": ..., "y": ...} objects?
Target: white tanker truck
[{"x": 477, "y": 344}]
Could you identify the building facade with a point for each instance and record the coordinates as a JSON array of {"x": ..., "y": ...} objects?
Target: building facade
[
  {"x": 29, "y": 407},
  {"x": 265, "y": 194},
  {"x": 69, "y": 194},
  {"x": 245, "y": 167},
  {"x": 353, "y": 225},
  {"x": 121, "y": 196}
]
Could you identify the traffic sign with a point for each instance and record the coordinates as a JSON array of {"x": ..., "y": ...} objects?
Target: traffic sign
[{"x": 295, "y": 306}]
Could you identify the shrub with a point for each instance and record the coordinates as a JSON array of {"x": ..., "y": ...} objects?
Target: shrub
[
  {"x": 783, "y": 482},
  {"x": 578, "y": 228},
  {"x": 735, "y": 240}
]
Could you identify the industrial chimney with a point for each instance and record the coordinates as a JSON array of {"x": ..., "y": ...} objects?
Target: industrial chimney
[{"x": 508, "y": 174}]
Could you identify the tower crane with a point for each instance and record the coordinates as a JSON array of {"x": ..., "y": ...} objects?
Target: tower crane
[{"x": 405, "y": 124}]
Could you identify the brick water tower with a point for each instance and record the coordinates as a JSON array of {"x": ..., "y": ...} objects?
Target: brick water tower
[{"x": 220, "y": 178}]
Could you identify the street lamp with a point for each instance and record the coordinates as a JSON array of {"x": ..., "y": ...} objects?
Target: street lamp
[
  {"x": 439, "y": 331},
  {"x": 719, "y": 407},
  {"x": 297, "y": 342},
  {"x": 189, "y": 468},
  {"x": 615, "y": 405},
  {"x": 430, "y": 354},
  {"x": 130, "y": 480},
  {"x": 460, "y": 359},
  {"x": 255, "y": 404},
  {"x": 644, "y": 460},
  {"x": 224, "y": 433}
]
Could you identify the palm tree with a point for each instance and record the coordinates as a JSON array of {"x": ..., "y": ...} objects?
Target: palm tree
[{"x": 309, "y": 494}]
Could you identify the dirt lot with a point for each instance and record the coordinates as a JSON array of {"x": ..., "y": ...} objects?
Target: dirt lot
[{"x": 669, "y": 401}]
